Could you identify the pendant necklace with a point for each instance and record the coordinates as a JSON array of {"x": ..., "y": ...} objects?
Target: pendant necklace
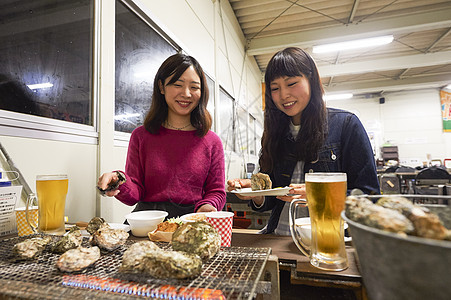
[{"x": 177, "y": 128}]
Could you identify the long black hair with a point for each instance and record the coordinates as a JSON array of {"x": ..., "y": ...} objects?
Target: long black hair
[
  {"x": 175, "y": 66},
  {"x": 292, "y": 62}
]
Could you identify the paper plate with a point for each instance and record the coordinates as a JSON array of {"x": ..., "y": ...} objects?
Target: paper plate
[{"x": 271, "y": 192}]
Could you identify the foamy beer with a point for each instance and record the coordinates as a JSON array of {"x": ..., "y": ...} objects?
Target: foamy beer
[
  {"x": 326, "y": 195},
  {"x": 51, "y": 191}
]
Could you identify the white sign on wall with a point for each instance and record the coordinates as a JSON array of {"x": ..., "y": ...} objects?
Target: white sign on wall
[{"x": 8, "y": 200}]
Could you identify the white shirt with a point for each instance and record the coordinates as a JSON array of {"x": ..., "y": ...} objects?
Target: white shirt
[{"x": 283, "y": 227}]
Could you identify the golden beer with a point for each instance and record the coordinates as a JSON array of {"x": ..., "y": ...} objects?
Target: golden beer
[
  {"x": 326, "y": 195},
  {"x": 52, "y": 190}
]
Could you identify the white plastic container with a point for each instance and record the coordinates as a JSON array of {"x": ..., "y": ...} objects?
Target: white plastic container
[{"x": 143, "y": 222}]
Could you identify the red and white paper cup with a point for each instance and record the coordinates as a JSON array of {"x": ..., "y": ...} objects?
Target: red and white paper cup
[{"x": 222, "y": 221}]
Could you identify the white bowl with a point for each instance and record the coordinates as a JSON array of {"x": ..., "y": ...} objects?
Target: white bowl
[
  {"x": 305, "y": 230},
  {"x": 142, "y": 222}
]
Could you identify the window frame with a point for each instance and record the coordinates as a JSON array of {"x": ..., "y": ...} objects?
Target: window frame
[
  {"x": 30, "y": 126},
  {"x": 211, "y": 107}
]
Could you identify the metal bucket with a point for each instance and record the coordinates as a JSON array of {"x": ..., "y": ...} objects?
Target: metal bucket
[{"x": 397, "y": 267}]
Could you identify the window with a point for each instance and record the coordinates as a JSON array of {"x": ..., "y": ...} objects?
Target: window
[
  {"x": 140, "y": 50},
  {"x": 226, "y": 120},
  {"x": 252, "y": 141},
  {"x": 46, "y": 59},
  {"x": 241, "y": 130}
]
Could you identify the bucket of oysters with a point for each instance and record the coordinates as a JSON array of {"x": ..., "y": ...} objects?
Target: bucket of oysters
[{"x": 403, "y": 248}]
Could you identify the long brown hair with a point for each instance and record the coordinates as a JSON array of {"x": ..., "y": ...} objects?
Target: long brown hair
[
  {"x": 175, "y": 66},
  {"x": 291, "y": 62}
]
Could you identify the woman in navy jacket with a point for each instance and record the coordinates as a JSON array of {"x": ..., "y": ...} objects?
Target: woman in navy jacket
[{"x": 301, "y": 135}]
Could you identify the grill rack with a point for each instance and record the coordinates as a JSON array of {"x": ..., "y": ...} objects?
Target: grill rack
[{"x": 233, "y": 273}]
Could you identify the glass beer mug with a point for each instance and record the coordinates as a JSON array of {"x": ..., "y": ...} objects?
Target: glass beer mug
[
  {"x": 326, "y": 195},
  {"x": 51, "y": 201}
]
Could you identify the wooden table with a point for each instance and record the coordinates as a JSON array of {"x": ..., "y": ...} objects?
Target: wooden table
[{"x": 302, "y": 272}]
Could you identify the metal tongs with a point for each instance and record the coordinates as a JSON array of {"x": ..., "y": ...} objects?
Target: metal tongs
[{"x": 112, "y": 185}]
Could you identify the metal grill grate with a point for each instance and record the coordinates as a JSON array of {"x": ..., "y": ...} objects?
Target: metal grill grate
[{"x": 231, "y": 274}]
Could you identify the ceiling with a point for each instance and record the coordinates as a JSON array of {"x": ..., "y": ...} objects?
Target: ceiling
[{"x": 419, "y": 56}]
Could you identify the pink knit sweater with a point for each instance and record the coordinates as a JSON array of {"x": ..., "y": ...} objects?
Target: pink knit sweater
[{"x": 176, "y": 166}]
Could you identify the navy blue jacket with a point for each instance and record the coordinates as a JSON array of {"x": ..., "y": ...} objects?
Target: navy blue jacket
[{"x": 346, "y": 149}]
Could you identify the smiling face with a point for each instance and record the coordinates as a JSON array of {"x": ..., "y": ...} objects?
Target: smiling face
[
  {"x": 291, "y": 95},
  {"x": 182, "y": 96}
]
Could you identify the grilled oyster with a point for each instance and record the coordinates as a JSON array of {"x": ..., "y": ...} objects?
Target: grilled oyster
[
  {"x": 172, "y": 264},
  {"x": 199, "y": 238},
  {"x": 109, "y": 239},
  {"x": 95, "y": 224},
  {"x": 31, "y": 248},
  {"x": 78, "y": 259},
  {"x": 364, "y": 211},
  {"x": 147, "y": 259},
  {"x": 260, "y": 181},
  {"x": 426, "y": 224},
  {"x": 70, "y": 240},
  {"x": 132, "y": 257}
]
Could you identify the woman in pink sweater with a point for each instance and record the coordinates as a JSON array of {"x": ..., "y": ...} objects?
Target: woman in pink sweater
[{"x": 174, "y": 162}]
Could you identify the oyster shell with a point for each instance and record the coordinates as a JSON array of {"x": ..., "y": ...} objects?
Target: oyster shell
[
  {"x": 171, "y": 264},
  {"x": 78, "y": 259},
  {"x": 426, "y": 224},
  {"x": 70, "y": 240},
  {"x": 147, "y": 258},
  {"x": 30, "y": 248},
  {"x": 95, "y": 224},
  {"x": 199, "y": 238},
  {"x": 132, "y": 257},
  {"x": 109, "y": 239},
  {"x": 260, "y": 181},
  {"x": 364, "y": 211}
]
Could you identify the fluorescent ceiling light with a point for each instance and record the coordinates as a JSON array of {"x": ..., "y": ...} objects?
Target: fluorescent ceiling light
[
  {"x": 338, "y": 96},
  {"x": 369, "y": 42},
  {"x": 39, "y": 86}
]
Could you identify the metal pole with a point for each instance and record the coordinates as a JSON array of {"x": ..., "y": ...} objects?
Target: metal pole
[{"x": 26, "y": 188}]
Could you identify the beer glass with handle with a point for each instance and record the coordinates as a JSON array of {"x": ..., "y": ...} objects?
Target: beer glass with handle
[
  {"x": 51, "y": 198},
  {"x": 326, "y": 195}
]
